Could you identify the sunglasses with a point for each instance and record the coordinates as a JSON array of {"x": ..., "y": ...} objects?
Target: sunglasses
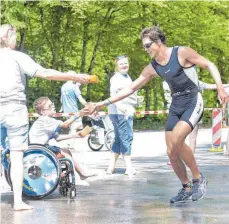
[{"x": 148, "y": 45}]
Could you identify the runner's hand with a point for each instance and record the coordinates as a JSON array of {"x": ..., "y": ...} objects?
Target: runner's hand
[
  {"x": 223, "y": 96},
  {"x": 98, "y": 106},
  {"x": 84, "y": 112}
]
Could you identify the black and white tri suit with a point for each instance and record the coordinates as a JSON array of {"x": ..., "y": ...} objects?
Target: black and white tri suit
[{"x": 187, "y": 102}]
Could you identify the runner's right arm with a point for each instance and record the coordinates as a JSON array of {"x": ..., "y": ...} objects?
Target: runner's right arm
[{"x": 147, "y": 74}]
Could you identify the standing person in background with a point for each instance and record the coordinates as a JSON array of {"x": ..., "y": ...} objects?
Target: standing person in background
[
  {"x": 177, "y": 66},
  {"x": 70, "y": 95},
  {"x": 121, "y": 115},
  {"x": 14, "y": 123}
]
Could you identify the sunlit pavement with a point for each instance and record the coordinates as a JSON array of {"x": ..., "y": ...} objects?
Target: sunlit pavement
[{"x": 143, "y": 198}]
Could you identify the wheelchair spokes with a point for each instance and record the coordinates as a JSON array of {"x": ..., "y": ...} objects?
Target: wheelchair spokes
[{"x": 43, "y": 172}]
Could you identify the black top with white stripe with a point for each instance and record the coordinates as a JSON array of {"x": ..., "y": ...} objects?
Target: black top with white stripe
[{"x": 179, "y": 79}]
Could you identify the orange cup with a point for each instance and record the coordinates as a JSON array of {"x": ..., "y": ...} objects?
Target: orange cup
[
  {"x": 93, "y": 79},
  {"x": 85, "y": 131}
]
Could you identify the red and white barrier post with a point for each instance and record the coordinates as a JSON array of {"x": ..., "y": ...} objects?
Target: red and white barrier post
[{"x": 216, "y": 130}]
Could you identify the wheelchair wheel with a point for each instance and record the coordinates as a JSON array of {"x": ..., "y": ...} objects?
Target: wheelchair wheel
[
  {"x": 6, "y": 174},
  {"x": 41, "y": 172},
  {"x": 109, "y": 139},
  {"x": 72, "y": 192},
  {"x": 93, "y": 146}
]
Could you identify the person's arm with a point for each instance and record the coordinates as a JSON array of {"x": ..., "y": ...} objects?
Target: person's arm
[
  {"x": 191, "y": 56},
  {"x": 61, "y": 109},
  {"x": 69, "y": 121},
  {"x": 29, "y": 67},
  {"x": 82, "y": 100},
  {"x": 51, "y": 74},
  {"x": 147, "y": 74},
  {"x": 67, "y": 136},
  {"x": 213, "y": 86}
]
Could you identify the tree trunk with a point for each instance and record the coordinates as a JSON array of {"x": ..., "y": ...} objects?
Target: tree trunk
[
  {"x": 65, "y": 42},
  {"x": 84, "y": 49},
  {"x": 49, "y": 40},
  {"x": 107, "y": 19},
  {"x": 109, "y": 75}
]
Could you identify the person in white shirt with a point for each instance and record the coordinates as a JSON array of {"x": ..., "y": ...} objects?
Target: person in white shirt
[
  {"x": 14, "y": 66},
  {"x": 177, "y": 66},
  {"x": 121, "y": 115}
]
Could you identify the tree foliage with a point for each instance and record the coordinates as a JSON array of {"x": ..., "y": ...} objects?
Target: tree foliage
[{"x": 87, "y": 36}]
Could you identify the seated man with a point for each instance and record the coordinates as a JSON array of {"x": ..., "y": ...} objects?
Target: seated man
[{"x": 46, "y": 127}]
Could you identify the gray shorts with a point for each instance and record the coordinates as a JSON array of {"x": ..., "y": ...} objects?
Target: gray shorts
[{"x": 14, "y": 126}]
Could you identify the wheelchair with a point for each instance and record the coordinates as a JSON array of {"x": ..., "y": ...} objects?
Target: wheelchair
[{"x": 43, "y": 172}]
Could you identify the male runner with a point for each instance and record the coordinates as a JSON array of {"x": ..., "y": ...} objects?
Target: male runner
[{"x": 177, "y": 66}]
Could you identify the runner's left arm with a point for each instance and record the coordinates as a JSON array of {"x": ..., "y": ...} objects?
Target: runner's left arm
[{"x": 193, "y": 57}]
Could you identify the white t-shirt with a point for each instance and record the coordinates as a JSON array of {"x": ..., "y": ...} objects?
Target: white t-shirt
[
  {"x": 117, "y": 83},
  {"x": 44, "y": 129},
  {"x": 13, "y": 67}
]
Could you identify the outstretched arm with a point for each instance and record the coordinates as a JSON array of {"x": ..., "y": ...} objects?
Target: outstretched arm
[
  {"x": 214, "y": 86},
  {"x": 51, "y": 74},
  {"x": 147, "y": 74},
  {"x": 69, "y": 121},
  {"x": 82, "y": 100},
  {"x": 67, "y": 136}
]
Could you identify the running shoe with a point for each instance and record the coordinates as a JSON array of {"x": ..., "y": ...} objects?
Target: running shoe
[
  {"x": 199, "y": 188},
  {"x": 182, "y": 196}
]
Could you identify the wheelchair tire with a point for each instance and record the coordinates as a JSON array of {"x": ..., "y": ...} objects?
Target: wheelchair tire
[
  {"x": 61, "y": 190},
  {"x": 94, "y": 147},
  {"x": 7, "y": 177},
  {"x": 72, "y": 192},
  {"x": 39, "y": 180},
  {"x": 109, "y": 139}
]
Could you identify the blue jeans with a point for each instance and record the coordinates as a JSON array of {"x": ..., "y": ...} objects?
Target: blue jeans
[{"x": 123, "y": 128}]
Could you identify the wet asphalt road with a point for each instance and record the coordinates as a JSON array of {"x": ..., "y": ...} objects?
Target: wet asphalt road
[{"x": 143, "y": 199}]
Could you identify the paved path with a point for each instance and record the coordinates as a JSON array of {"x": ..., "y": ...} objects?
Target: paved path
[{"x": 143, "y": 199}]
